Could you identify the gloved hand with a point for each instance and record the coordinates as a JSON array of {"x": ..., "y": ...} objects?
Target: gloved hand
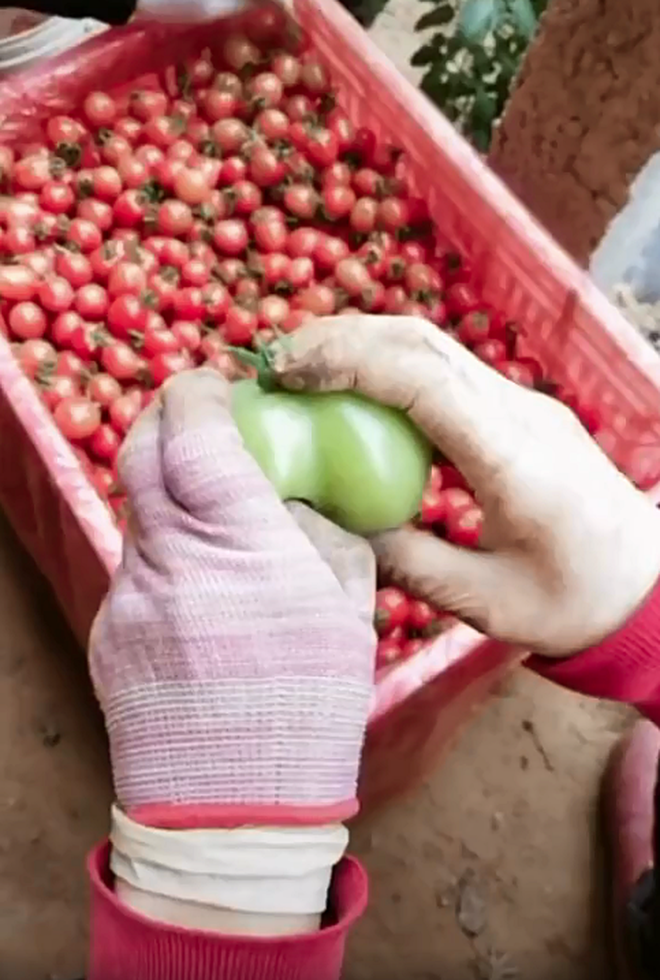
[
  {"x": 570, "y": 547},
  {"x": 186, "y": 11},
  {"x": 234, "y": 670}
]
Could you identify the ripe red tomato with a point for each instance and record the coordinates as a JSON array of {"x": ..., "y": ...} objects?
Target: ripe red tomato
[
  {"x": 19, "y": 240},
  {"x": 301, "y": 200},
  {"x": 303, "y": 241},
  {"x": 392, "y": 609},
  {"x": 130, "y": 208},
  {"x": 174, "y": 218},
  {"x": 63, "y": 129},
  {"x": 57, "y": 197},
  {"x": 27, "y": 320},
  {"x": 31, "y": 173},
  {"x": 121, "y": 361},
  {"x": 158, "y": 338},
  {"x": 124, "y": 410},
  {"x": 145, "y": 103},
  {"x": 100, "y": 109},
  {"x": 363, "y": 215},
  {"x": 126, "y": 314},
  {"x": 463, "y": 525},
  {"x": 230, "y": 135},
  {"x": 421, "y": 617},
  {"x": 230, "y": 236},
  {"x": 330, "y": 251},
  {"x": 164, "y": 365},
  {"x": 107, "y": 183},
  {"x": 491, "y": 351},
  {"x": 103, "y": 259},
  {"x": 98, "y": 212},
  {"x": 287, "y": 68},
  {"x": 56, "y": 294},
  {"x": 338, "y": 201},
  {"x": 460, "y": 299},
  {"x": 265, "y": 167},
  {"x": 388, "y": 651},
  {"x": 319, "y": 299},
  {"x": 104, "y": 443},
  {"x": 273, "y": 124},
  {"x": 74, "y": 267},
  {"x": 77, "y": 417},
  {"x": 126, "y": 277},
  {"x": 84, "y": 235},
  {"x": 54, "y": 387},
  {"x": 103, "y": 389},
  {"x": 240, "y": 325},
  {"x": 92, "y": 302},
  {"x": 300, "y": 273},
  {"x": 272, "y": 311},
  {"x": 188, "y": 334},
  {"x": 133, "y": 172},
  {"x": 188, "y": 303},
  {"x": 36, "y": 357},
  {"x": 353, "y": 276},
  {"x": 314, "y": 76}
]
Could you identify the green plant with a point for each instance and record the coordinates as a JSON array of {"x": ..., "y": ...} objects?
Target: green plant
[{"x": 473, "y": 57}]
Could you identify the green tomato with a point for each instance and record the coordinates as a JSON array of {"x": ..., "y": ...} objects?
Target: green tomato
[{"x": 360, "y": 463}]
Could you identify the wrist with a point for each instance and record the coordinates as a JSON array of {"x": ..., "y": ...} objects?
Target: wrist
[
  {"x": 240, "y": 881},
  {"x": 207, "y": 918}
]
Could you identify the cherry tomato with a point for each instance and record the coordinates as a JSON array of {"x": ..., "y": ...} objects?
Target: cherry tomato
[
  {"x": 126, "y": 314},
  {"x": 392, "y": 609},
  {"x": 77, "y": 417},
  {"x": 230, "y": 236},
  {"x": 92, "y": 302},
  {"x": 464, "y": 525},
  {"x": 105, "y": 442},
  {"x": 363, "y": 215},
  {"x": 388, "y": 651},
  {"x": 319, "y": 299},
  {"x": 145, "y": 103},
  {"x": 84, "y": 235},
  {"x": 460, "y": 299},
  {"x": 121, "y": 361},
  {"x": 270, "y": 236},
  {"x": 54, "y": 387},
  {"x": 188, "y": 334},
  {"x": 301, "y": 200},
  {"x": 37, "y": 357},
  {"x": 130, "y": 208},
  {"x": 240, "y": 325},
  {"x": 164, "y": 365},
  {"x": 56, "y": 197},
  {"x": 103, "y": 389},
  {"x": 27, "y": 320},
  {"x": 100, "y": 109},
  {"x": 107, "y": 183},
  {"x": 100, "y": 213},
  {"x": 174, "y": 218},
  {"x": 126, "y": 277},
  {"x": 124, "y": 410},
  {"x": 303, "y": 241},
  {"x": 56, "y": 294},
  {"x": 491, "y": 351}
]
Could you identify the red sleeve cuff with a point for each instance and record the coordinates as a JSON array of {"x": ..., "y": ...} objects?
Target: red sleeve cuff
[
  {"x": 127, "y": 946},
  {"x": 624, "y": 667}
]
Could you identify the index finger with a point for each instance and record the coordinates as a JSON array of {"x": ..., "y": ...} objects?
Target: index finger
[{"x": 464, "y": 407}]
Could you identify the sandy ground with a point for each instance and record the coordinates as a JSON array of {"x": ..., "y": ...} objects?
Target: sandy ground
[{"x": 491, "y": 870}]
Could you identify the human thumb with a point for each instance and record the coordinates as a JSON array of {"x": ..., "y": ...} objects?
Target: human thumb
[{"x": 466, "y": 583}]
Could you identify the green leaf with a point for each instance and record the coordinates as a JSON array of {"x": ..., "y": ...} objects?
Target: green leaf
[
  {"x": 484, "y": 109},
  {"x": 523, "y": 17},
  {"x": 477, "y": 18},
  {"x": 481, "y": 139},
  {"x": 427, "y": 55},
  {"x": 443, "y": 14}
]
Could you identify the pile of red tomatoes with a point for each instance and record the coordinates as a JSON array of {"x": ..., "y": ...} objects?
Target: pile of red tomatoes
[{"x": 149, "y": 230}]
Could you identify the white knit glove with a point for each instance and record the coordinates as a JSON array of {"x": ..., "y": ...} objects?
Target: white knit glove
[
  {"x": 233, "y": 669},
  {"x": 570, "y": 547}
]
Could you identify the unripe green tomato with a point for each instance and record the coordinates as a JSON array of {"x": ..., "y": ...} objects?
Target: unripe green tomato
[{"x": 360, "y": 463}]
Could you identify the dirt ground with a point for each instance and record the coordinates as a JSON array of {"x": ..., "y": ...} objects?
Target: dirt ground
[{"x": 501, "y": 841}]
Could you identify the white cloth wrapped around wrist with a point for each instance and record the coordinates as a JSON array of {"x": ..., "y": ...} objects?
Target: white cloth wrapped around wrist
[{"x": 269, "y": 870}]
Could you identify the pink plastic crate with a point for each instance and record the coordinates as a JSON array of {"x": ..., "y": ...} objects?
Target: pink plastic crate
[{"x": 567, "y": 324}]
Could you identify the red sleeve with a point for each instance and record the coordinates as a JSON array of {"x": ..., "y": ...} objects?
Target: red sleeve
[
  {"x": 127, "y": 946},
  {"x": 624, "y": 667}
]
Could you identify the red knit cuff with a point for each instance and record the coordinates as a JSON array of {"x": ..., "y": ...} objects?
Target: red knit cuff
[
  {"x": 127, "y": 946},
  {"x": 624, "y": 667}
]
